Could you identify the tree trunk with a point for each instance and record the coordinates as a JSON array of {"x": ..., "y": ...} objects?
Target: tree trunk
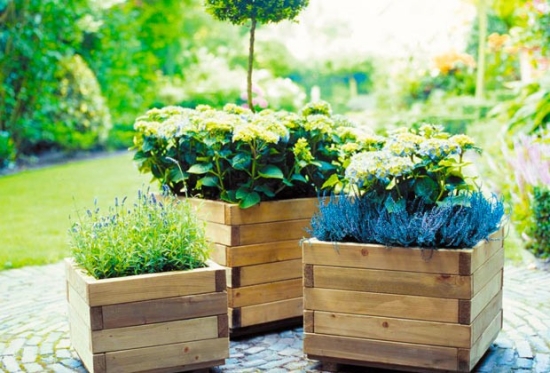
[{"x": 250, "y": 64}]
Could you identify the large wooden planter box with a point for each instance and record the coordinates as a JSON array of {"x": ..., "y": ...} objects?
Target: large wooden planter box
[
  {"x": 260, "y": 247},
  {"x": 401, "y": 308},
  {"x": 165, "y": 322}
]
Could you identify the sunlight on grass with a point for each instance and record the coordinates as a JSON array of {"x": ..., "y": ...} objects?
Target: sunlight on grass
[{"x": 36, "y": 205}]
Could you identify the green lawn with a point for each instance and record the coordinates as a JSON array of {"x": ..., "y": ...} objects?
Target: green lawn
[{"x": 35, "y": 205}]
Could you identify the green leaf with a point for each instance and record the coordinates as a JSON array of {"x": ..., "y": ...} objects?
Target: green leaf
[
  {"x": 229, "y": 196},
  {"x": 298, "y": 177},
  {"x": 271, "y": 172},
  {"x": 175, "y": 175},
  {"x": 241, "y": 161},
  {"x": 426, "y": 189},
  {"x": 331, "y": 182},
  {"x": 265, "y": 190},
  {"x": 200, "y": 168},
  {"x": 209, "y": 181},
  {"x": 249, "y": 200}
]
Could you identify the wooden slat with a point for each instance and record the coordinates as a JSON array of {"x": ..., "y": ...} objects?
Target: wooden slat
[
  {"x": 392, "y": 329},
  {"x": 157, "y": 334},
  {"x": 167, "y": 356},
  {"x": 270, "y": 252},
  {"x": 487, "y": 271},
  {"x": 195, "y": 368},
  {"x": 266, "y": 312},
  {"x": 92, "y": 316},
  {"x": 480, "y": 301},
  {"x": 394, "y": 282},
  {"x": 267, "y": 211},
  {"x": 309, "y": 326},
  {"x": 81, "y": 338},
  {"x": 381, "y": 351},
  {"x": 264, "y": 293},
  {"x": 151, "y": 286},
  {"x": 162, "y": 310},
  {"x": 263, "y": 273},
  {"x": 222, "y": 234},
  {"x": 481, "y": 323},
  {"x": 240, "y": 235},
  {"x": 380, "y": 257},
  {"x": 218, "y": 253},
  {"x": 386, "y": 305},
  {"x": 468, "y": 358},
  {"x": 485, "y": 249},
  {"x": 77, "y": 278}
]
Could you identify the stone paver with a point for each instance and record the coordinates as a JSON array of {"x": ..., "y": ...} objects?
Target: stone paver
[{"x": 34, "y": 332}]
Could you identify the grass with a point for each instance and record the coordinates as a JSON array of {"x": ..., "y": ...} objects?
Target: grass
[{"x": 36, "y": 205}]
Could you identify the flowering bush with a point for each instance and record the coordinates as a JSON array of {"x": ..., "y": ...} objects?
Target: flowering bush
[
  {"x": 410, "y": 189},
  {"x": 426, "y": 164},
  {"x": 239, "y": 156}
]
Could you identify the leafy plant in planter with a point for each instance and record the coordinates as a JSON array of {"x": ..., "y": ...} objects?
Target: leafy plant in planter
[
  {"x": 238, "y": 156},
  {"x": 238, "y": 12},
  {"x": 411, "y": 192},
  {"x": 139, "y": 285}
]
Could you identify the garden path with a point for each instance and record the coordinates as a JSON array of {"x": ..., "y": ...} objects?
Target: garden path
[{"x": 34, "y": 332}]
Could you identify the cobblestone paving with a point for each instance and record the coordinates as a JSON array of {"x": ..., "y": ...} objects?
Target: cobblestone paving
[{"x": 34, "y": 329}]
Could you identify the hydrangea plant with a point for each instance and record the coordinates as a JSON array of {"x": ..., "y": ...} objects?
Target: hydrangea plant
[
  {"x": 242, "y": 157},
  {"x": 408, "y": 189},
  {"x": 427, "y": 163}
]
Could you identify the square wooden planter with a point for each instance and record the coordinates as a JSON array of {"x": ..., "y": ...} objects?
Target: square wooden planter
[
  {"x": 402, "y": 308},
  {"x": 260, "y": 247},
  {"x": 165, "y": 322}
]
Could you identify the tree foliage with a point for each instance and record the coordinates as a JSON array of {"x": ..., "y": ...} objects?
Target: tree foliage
[{"x": 238, "y": 12}]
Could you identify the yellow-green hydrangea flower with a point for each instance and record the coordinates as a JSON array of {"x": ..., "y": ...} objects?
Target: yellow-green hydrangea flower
[{"x": 302, "y": 151}]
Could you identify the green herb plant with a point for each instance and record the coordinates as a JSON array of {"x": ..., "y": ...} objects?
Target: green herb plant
[
  {"x": 156, "y": 234},
  {"x": 539, "y": 230}
]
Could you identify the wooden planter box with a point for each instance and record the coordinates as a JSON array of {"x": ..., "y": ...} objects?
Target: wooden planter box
[
  {"x": 401, "y": 308},
  {"x": 165, "y": 322},
  {"x": 260, "y": 247}
]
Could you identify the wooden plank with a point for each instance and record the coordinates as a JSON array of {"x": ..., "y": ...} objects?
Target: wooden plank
[
  {"x": 487, "y": 271},
  {"x": 81, "y": 338},
  {"x": 172, "y": 355},
  {"x": 309, "y": 325},
  {"x": 195, "y": 368},
  {"x": 208, "y": 210},
  {"x": 392, "y": 329},
  {"x": 151, "y": 286},
  {"x": 272, "y": 232},
  {"x": 308, "y": 275},
  {"x": 222, "y": 234},
  {"x": 485, "y": 249},
  {"x": 263, "y": 273},
  {"x": 162, "y": 310},
  {"x": 270, "y": 252},
  {"x": 223, "y": 325},
  {"x": 77, "y": 278},
  {"x": 380, "y": 257},
  {"x": 468, "y": 358},
  {"x": 480, "y": 301},
  {"x": 268, "y": 211},
  {"x": 92, "y": 316},
  {"x": 218, "y": 253},
  {"x": 393, "y": 282},
  {"x": 157, "y": 334},
  {"x": 386, "y": 305},
  {"x": 481, "y": 323},
  {"x": 384, "y": 352},
  {"x": 264, "y": 293},
  {"x": 267, "y": 312}
]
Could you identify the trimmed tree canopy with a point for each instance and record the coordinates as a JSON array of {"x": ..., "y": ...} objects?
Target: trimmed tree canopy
[{"x": 239, "y": 12}]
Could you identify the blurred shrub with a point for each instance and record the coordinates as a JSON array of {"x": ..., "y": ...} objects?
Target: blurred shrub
[
  {"x": 81, "y": 119},
  {"x": 7, "y": 151},
  {"x": 539, "y": 231}
]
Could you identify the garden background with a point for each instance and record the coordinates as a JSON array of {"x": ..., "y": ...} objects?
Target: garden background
[{"x": 75, "y": 75}]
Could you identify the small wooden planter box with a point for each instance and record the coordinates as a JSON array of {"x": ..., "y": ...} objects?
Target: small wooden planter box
[
  {"x": 260, "y": 247},
  {"x": 165, "y": 322},
  {"x": 402, "y": 308}
]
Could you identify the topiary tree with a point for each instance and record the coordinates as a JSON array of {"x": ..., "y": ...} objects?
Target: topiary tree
[{"x": 239, "y": 12}]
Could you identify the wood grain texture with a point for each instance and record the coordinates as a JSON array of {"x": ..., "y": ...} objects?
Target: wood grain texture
[
  {"x": 239, "y": 256},
  {"x": 265, "y": 313},
  {"x": 264, "y": 273},
  {"x": 264, "y": 293}
]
